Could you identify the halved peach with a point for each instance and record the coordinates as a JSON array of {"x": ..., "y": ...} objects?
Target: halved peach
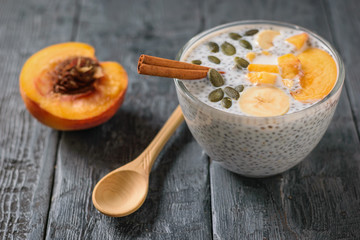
[
  {"x": 319, "y": 75},
  {"x": 262, "y": 78},
  {"x": 66, "y": 88},
  {"x": 298, "y": 40}
]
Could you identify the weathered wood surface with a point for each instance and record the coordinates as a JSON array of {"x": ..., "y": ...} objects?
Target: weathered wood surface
[
  {"x": 344, "y": 23},
  {"x": 46, "y": 177},
  {"x": 27, "y": 149}
]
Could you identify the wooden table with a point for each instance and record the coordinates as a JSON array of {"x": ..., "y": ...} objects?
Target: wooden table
[{"x": 47, "y": 176}]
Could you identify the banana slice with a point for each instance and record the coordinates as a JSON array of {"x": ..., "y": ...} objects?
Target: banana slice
[
  {"x": 264, "y": 101},
  {"x": 265, "y": 38}
]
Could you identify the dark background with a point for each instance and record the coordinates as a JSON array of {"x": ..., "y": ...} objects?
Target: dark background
[{"x": 47, "y": 176}]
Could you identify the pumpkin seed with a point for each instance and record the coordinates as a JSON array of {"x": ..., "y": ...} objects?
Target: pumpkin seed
[
  {"x": 214, "y": 59},
  {"x": 228, "y": 49},
  {"x": 238, "y": 66},
  {"x": 215, "y": 78},
  {"x": 251, "y": 32},
  {"x": 245, "y": 44},
  {"x": 239, "y": 88},
  {"x": 214, "y": 47},
  {"x": 231, "y": 92},
  {"x": 234, "y": 36},
  {"x": 216, "y": 95},
  {"x": 242, "y": 62},
  {"x": 226, "y": 102},
  {"x": 197, "y": 62}
]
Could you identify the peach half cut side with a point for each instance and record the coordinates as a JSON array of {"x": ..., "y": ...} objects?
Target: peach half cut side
[{"x": 70, "y": 111}]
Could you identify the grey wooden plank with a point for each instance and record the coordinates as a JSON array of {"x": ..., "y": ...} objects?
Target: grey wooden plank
[
  {"x": 306, "y": 15},
  {"x": 27, "y": 149},
  {"x": 344, "y": 22},
  {"x": 178, "y": 204},
  {"x": 318, "y": 199}
]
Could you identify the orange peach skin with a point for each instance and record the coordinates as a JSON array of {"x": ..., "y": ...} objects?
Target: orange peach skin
[{"x": 67, "y": 124}]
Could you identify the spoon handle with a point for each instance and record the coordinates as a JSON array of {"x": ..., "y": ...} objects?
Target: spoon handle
[{"x": 154, "y": 148}]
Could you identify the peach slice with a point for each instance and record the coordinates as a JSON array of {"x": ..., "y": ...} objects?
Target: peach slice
[
  {"x": 266, "y": 53},
  {"x": 262, "y": 78},
  {"x": 298, "y": 40},
  {"x": 251, "y": 56},
  {"x": 288, "y": 83},
  {"x": 263, "y": 68},
  {"x": 320, "y": 74},
  {"x": 66, "y": 88},
  {"x": 290, "y": 68},
  {"x": 265, "y": 38}
]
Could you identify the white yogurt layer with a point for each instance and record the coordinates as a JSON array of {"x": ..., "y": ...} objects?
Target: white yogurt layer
[{"x": 234, "y": 76}]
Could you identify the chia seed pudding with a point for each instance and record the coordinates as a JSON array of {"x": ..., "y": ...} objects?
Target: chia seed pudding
[{"x": 247, "y": 144}]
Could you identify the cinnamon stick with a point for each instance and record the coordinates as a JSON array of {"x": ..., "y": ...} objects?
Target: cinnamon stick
[
  {"x": 156, "y": 61},
  {"x": 155, "y": 66},
  {"x": 160, "y": 71}
]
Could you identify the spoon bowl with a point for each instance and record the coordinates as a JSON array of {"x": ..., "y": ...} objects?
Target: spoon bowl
[
  {"x": 123, "y": 191},
  {"x": 120, "y": 193}
]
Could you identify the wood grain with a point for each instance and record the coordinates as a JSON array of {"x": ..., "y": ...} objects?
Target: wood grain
[
  {"x": 27, "y": 149},
  {"x": 188, "y": 197},
  {"x": 345, "y": 24},
  {"x": 318, "y": 199},
  {"x": 178, "y": 204}
]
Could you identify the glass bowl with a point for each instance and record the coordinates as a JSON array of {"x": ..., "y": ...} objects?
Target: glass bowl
[{"x": 258, "y": 146}]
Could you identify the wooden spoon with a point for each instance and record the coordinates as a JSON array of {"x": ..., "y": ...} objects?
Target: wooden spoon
[{"x": 122, "y": 191}]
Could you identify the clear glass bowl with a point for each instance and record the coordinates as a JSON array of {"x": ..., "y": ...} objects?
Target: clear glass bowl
[{"x": 258, "y": 146}]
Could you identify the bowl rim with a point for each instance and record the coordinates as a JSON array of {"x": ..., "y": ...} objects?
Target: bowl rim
[{"x": 340, "y": 64}]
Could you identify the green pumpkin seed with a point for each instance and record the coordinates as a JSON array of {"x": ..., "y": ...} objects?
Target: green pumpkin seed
[
  {"x": 234, "y": 36},
  {"x": 197, "y": 62},
  {"x": 245, "y": 44},
  {"x": 226, "y": 102},
  {"x": 251, "y": 32},
  {"x": 231, "y": 92},
  {"x": 213, "y": 47},
  {"x": 238, "y": 66},
  {"x": 214, "y": 59},
  {"x": 216, "y": 95},
  {"x": 228, "y": 49},
  {"x": 242, "y": 62},
  {"x": 215, "y": 78},
  {"x": 239, "y": 88}
]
